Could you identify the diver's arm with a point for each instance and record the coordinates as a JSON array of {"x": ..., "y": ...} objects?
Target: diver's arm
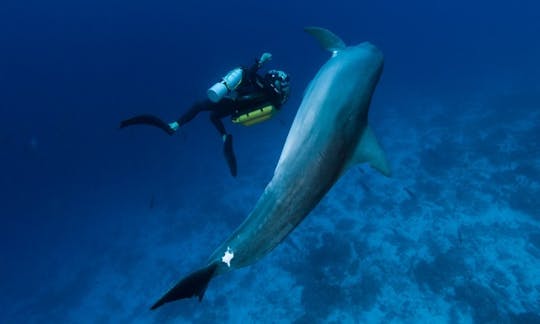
[{"x": 251, "y": 72}]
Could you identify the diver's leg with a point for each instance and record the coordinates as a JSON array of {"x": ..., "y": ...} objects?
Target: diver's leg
[
  {"x": 221, "y": 111},
  {"x": 172, "y": 127},
  {"x": 194, "y": 111},
  {"x": 218, "y": 124}
]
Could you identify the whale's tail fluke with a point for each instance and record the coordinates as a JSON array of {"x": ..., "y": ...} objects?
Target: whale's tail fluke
[{"x": 193, "y": 285}]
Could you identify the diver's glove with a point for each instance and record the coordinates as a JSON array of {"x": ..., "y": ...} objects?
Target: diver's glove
[{"x": 265, "y": 57}]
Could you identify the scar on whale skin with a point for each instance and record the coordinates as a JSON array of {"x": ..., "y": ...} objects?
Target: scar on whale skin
[{"x": 228, "y": 256}]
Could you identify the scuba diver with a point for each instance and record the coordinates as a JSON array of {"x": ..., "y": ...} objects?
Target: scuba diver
[{"x": 243, "y": 94}]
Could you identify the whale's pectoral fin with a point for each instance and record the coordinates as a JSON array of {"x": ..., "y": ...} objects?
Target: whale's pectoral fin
[
  {"x": 368, "y": 150},
  {"x": 328, "y": 40},
  {"x": 193, "y": 285}
]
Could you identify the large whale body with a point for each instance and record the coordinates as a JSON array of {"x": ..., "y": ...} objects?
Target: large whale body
[{"x": 329, "y": 134}]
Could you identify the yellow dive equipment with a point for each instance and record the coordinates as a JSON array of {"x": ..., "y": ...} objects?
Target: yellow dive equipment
[{"x": 256, "y": 115}]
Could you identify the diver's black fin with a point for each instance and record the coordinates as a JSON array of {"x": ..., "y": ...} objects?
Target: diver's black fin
[
  {"x": 229, "y": 154},
  {"x": 193, "y": 285},
  {"x": 148, "y": 120}
]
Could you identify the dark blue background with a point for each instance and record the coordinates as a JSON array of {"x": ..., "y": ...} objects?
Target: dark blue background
[{"x": 71, "y": 70}]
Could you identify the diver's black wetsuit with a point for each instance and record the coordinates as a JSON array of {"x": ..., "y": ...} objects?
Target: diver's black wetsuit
[{"x": 253, "y": 91}]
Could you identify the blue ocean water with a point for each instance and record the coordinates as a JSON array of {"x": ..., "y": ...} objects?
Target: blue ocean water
[{"x": 97, "y": 222}]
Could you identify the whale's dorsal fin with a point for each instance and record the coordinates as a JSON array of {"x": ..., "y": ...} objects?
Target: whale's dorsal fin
[
  {"x": 368, "y": 150},
  {"x": 328, "y": 40}
]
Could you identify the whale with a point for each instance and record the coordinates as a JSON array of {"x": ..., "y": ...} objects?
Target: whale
[{"x": 329, "y": 135}]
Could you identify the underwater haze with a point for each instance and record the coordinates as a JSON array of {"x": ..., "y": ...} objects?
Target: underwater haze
[{"x": 98, "y": 222}]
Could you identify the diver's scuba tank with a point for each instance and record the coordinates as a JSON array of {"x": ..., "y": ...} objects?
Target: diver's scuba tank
[{"x": 227, "y": 84}]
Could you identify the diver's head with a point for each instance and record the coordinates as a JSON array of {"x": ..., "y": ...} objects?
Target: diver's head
[{"x": 280, "y": 81}]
